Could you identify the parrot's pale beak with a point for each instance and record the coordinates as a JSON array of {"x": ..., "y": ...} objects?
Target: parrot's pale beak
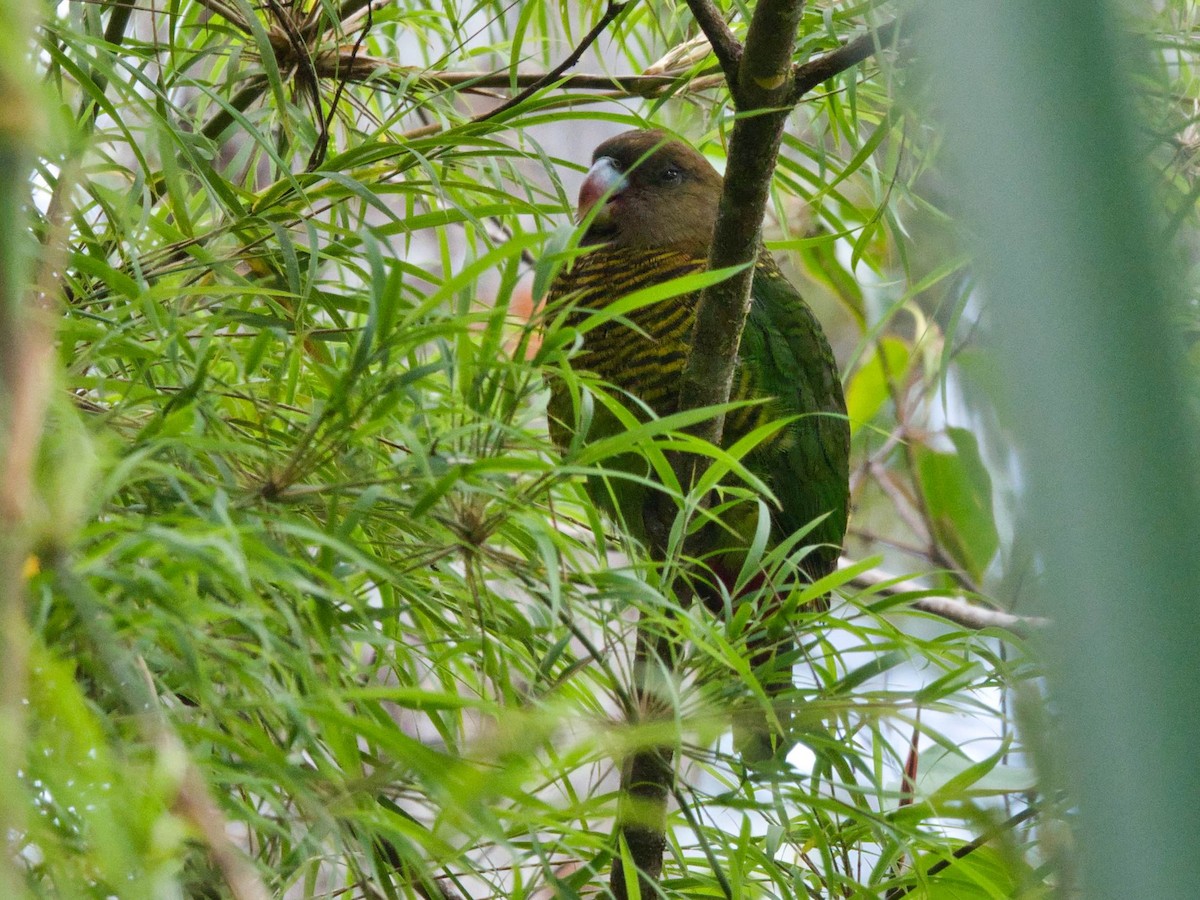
[{"x": 604, "y": 182}]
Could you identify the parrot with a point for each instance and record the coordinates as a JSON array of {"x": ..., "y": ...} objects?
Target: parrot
[{"x": 649, "y": 205}]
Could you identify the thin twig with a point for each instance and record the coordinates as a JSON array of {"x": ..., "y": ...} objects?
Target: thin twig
[
  {"x": 614, "y": 9},
  {"x": 968, "y": 848},
  {"x": 348, "y": 23},
  {"x": 195, "y": 804},
  {"x": 228, "y": 13},
  {"x": 632, "y": 84},
  {"x": 344, "y": 14},
  {"x": 953, "y": 609},
  {"x": 322, "y": 145},
  {"x": 292, "y": 48}
]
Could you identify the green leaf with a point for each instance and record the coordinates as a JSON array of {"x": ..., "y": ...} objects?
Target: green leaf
[
  {"x": 869, "y": 388},
  {"x": 958, "y": 495}
]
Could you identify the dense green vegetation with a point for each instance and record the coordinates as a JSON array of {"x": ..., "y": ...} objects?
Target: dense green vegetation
[{"x": 299, "y": 598}]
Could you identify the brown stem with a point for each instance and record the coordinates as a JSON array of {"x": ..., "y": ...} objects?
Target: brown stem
[
  {"x": 647, "y": 777},
  {"x": 641, "y": 85},
  {"x": 726, "y": 47},
  {"x": 322, "y": 145},
  {"x": 850, "y": 54},
  {"x": 761, "y": 95}
]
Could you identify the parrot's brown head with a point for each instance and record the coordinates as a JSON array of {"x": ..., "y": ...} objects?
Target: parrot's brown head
[{"x": 655, "y": 191}]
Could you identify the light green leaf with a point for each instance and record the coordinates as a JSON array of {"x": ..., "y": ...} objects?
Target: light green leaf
[{"x": 958, "y": 495}]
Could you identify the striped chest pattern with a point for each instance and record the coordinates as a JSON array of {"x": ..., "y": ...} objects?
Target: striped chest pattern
[{"x": 644, "y": 351}]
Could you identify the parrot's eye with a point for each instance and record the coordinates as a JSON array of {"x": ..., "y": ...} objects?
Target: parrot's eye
[{"x": 671, "y": 174}]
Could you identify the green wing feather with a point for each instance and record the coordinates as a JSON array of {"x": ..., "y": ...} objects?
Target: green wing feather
[{"x": 786, "y": 356}]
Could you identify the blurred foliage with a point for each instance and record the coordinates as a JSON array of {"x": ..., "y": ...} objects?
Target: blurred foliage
[{"x": 304, "y": 549}]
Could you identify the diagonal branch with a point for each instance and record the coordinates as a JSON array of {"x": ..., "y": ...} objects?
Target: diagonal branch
[
  {"x": 952, "y": 608},
  {"x": 228, "y": 13},
  {"x": 726, "y": 47},
  {"x": 851, "y": 53},
  {"x": 614, "y": 9},
  {"x": 974, "y": 617},
  {"x": 968, "y": 848}
]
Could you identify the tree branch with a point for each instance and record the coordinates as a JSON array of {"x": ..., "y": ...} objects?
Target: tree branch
[
  {"x": 763, "y": 89},
  {"x": 634, "y": 84},
  {"x": 851, "y": 53},
  {"x": 763, "y": 85},
  {"x": 970, "y": 615},
  {"x": 953, "y": 609},
  {"x": 968, "y": 848},
  {"x": 348, "y": 65},
  {"x": 640, "y": 85},
  {"x": 726, "y": 47}
]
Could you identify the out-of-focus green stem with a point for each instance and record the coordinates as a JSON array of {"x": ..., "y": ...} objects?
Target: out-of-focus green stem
[
  {"x": 1037, "y": 102},
  {"x": 13, "y": 542},
  {"x": 21, "y": 413}
]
